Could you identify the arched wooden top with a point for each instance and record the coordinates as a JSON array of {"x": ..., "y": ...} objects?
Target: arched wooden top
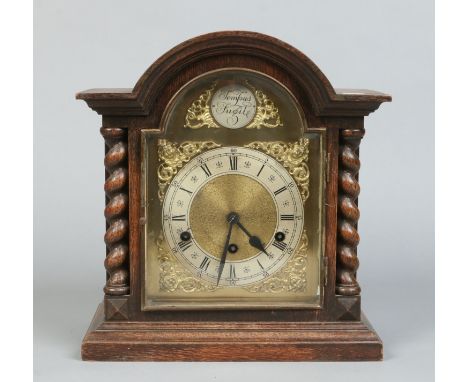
[{"x": 313, "y": 84}]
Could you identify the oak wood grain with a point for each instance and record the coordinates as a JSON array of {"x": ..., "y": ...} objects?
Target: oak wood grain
[
  {"x": 250, "y": 341},
  {"x": 318, "y": 89}
]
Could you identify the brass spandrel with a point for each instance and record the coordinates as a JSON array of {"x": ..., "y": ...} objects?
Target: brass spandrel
[
  {"x": 199, "y": 114},
  {"x": 174, "y": 276},
  {"x": 267, "y": 114},
  {"x": 173, "y": 156},
  {"x": 293, "y": 156}
]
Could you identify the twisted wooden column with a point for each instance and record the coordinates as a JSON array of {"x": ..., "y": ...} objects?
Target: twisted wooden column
[
  {"x": 116, "y": 211},
  {"x": 347, "y": 261}
]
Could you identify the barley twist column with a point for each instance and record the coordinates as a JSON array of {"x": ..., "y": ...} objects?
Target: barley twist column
[
  {"x": 347, "y": 261},
  {"x": 116, "y": 211}
]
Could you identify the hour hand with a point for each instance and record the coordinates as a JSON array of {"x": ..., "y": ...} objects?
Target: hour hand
[{"x": 254, "y": 241}]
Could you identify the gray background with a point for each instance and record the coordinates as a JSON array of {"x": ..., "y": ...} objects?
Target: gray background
[{"x": 380, "y": 45}]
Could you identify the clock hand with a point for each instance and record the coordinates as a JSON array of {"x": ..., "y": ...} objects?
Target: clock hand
[
  {"x": 232, "y": 219},
  {"x": 254, "y": 241}
]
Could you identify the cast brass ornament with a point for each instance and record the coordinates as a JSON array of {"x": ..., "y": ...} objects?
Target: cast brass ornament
[
  {"x": 173, "y": 156},
  {"x": 293, "y": 156},
  {"x": 267, "y": 113},
  {"x": 174, "y": 276},
  {"x": 200, "y": 113}
]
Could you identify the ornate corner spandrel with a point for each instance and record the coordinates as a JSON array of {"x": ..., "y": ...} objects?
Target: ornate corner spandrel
[
  {"x": 347, "y": 261},
  {"x": 174, "y": 276},
  {"x": 200, "y": 113},
  {"x": 172, "y": 156},
  {"x": 293, "y": 156},
  {"x": 267, "y": 114},
  {"x": 291, "y": 278}
]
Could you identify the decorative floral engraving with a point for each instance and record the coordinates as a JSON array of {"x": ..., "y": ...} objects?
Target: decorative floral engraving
[
  {"x": 199, "y": 114},
  {"x": 174, "y": 277},
  {"x": 291, "y": 278},
  {"x": 173, "y": 156},
  {"x": 267, "y": 114},
  {"x": 293, "y": 156}
]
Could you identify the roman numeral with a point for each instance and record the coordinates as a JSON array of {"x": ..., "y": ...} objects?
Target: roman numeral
[
  {"x": 204, "y": 264},
  {"x": 232, "y": 272},
  {"x": 178, "y": 218},
  {"x": 233, "y": 162},
  {"x": 280, "y": 245},
  {"x": 260, "y": 264},
  {"x": 265, "y": 273},
  {"x": 189, "y": 192},
  {"x": 277, "y": 192},
  {"x": 183, "y": 245},
  {"x": 206, "y": 170},
  {"x": 261, "y": 169},
  {"x": 287, "y": 217}
]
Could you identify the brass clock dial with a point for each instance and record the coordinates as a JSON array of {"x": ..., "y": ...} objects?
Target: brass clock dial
[{"x": 216, "y": 186}]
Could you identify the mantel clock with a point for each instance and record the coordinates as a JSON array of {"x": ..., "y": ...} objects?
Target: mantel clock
[{"x": 231, "y": 208}]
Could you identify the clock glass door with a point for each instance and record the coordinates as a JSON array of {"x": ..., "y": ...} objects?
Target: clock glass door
[{"x": 233, "y": 195}]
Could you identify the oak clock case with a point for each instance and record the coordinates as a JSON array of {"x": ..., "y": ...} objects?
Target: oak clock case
[
  {"x": 234, "y": 148},
  {"x": 231, "y": 209}
]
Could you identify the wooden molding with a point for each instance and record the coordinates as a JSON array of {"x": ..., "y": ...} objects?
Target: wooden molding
[
  {"x": 324, "y": 99},
  {"x": 230, "y": 341}
]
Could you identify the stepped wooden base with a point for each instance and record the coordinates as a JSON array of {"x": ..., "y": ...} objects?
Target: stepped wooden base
[{"x": 229, "y": 341}]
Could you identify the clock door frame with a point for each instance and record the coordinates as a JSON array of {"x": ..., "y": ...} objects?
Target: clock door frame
[{"x": 126, "y": 112}]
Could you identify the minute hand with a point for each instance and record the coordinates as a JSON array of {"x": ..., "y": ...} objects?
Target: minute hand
[
  {"x": 223, "y": 256},
  {"x": 254, "y": 241}
]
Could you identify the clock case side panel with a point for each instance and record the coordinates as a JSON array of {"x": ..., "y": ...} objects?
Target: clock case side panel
[{"x": 342, "y": 303}]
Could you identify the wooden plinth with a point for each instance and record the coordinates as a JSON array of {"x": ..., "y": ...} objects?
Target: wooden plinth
[{"x": 240, "y": 341}]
